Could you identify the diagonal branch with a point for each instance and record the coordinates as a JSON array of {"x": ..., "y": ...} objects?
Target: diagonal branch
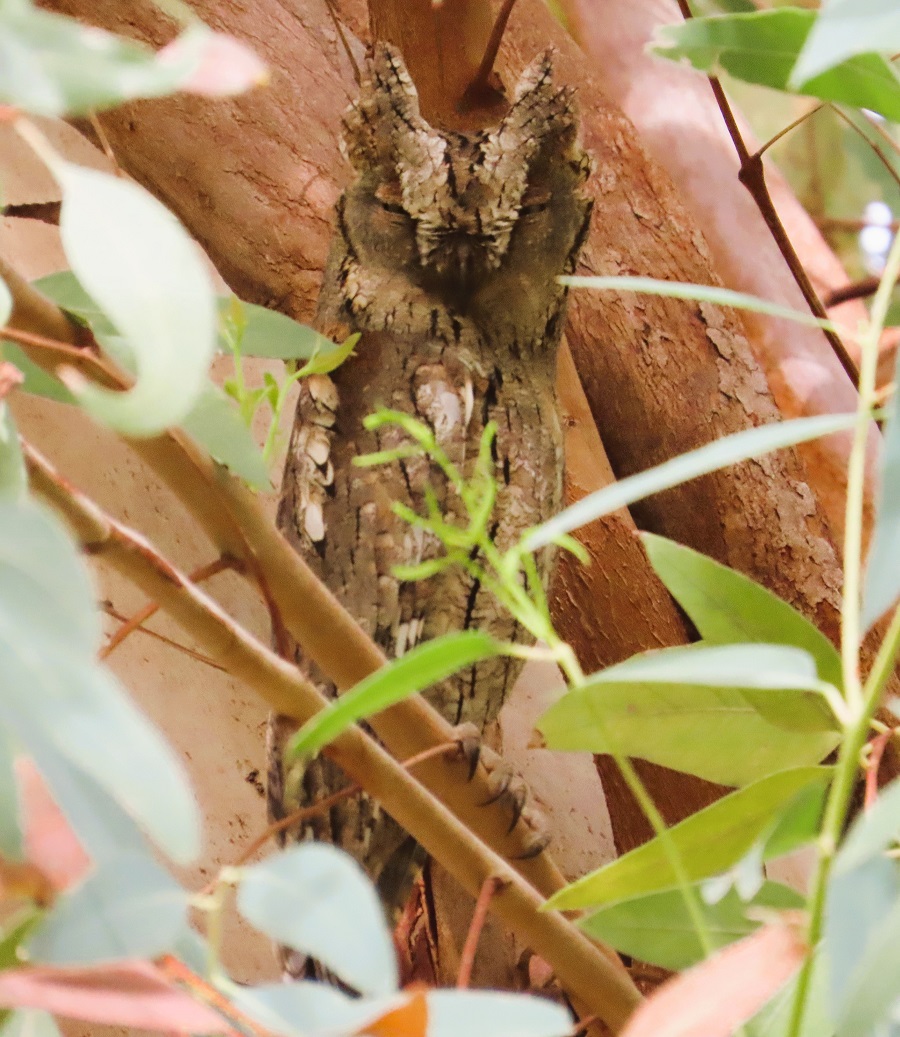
[
  {"x": 581, "y": 966},
  {"x": 233, "y": 519}
]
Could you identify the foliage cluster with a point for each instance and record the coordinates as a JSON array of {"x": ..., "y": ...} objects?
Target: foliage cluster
[{"x": 756, "y": 704}]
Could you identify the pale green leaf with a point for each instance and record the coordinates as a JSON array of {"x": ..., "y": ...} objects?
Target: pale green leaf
[
  {"x": 882, "y": 583},
  {"x": 54, "y": 65},
  {"x": 138, "y": 263},
  {"x": 492, "y": 1013},
  {"x": 697, "y": 293},
  {"x": 6, "y": 302},
  {"x": 37, "y": 381},
  {"x": 319, "y": 901},
  {"x": 267, "y": 333},
  {"x": 646, "y": 708},
  {"x": 216, "y": 424},
  {"x": 845, "y": 28},
  {"x": 721, "y": 453},
  {"x": 127, "y": 908},
  {"x": 727, "y": 607},
  {"x": 708, "y": 842},
  {"x": 873, "y": 832},
  {"x": 658, "y": 929},
  {"x": 11, "y": 845},
  {"x": 13, "y": 477},
  {"x": 418, "y": 669},
  {"x": 763, "y": 48},
  {"x": 305, "y": 1008},
  {"x": 56, "y": 693},
  {"x": 30, "y": 1022},
  {"x": 330, "y": 359}
]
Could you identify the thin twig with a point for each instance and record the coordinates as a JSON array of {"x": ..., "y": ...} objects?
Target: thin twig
[
  {"x": 104, "y": 143},
  {"x": 114, "y": 613},
  {"x": 876, "y": 750},
  {"x": 859, "y": 290},
  {"x": 752, "y": 176},
  {"x": 492, "y": 886},
  {"x": 583, "y": 968},
  {"x": 135, "y": 622},
  {"x": 480, "y": 80},
  {"x": 302, "y": 814}
]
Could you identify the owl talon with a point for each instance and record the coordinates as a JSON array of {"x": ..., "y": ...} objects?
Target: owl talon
[{"x": 470, "y": 746}]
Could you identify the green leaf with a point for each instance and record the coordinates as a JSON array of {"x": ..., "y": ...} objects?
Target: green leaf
[
  {"x": 13, "y": 477},
  {"x": 11, "y": 841},
  {"x": 674, "y": 707},
  {"x": 657, "y": 928},
  {"x": 857, "y": 903},
  {"x": 68, "y": 293},
  {"x": 267, "y": 333},
  {"x": 418, "y": 669},
  {"x": 697, "y": 293},
  {"x": 6, "y": 302},
  {"x": 319, "y": 901},
  {"x": 709, "y": 842},
  {"x": 16, "y": 929},
  {"x": 54, "y": 692},
  {"x": 305, "y": 1008},
  {"x": 331, "y": 359},
  {"x": 490, "y": 1013},
  {"x": 721, "y": 453},
  {"x": 216, "y": 424},
  {"x": 30, "y": 1022},
  {"x": 139, "y": 264},
  {"x": 764, "y": 47},
  {"x": 882, "y": 584},
  {"x": 128, "y": 908},
  {"x": 844, "y": 28},
  {"x": 53, "y": 65},
  {"x": 874, "y": 831},
  {"x": 871, "y": 999},
  {"x": 37, "y": 381},
  {"x": 727, "y": 607}
]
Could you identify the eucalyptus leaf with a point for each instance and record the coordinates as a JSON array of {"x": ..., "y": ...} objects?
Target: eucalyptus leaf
[
  {"x": 319, "y": 901},
  {"x": 216, "y": 424},
  {"x": 30, "y": 1022},
  {"x": 6, "y": 302},
  {"x": 708, "y": 842},
  {"x": 128, "y": 908},
  {"x": 845, "y": 28},
  {"x": 858, "y": 900},
  {"x": 727, "y": 607},
  {"x": 37, "y": 381},
  {"x": 139, "y": 264},
  {"x": 492, "y": 1013},
  {"x": 658, "y": 929},
  {"x": 764, "y": 47},
  {"x": 13, "y": 477},
  {"x": 267, "y": 333},
  {"x": 721, "y": 453},
  {"x": 54, "y": 65},
  {"x": 872, "y": 997},
  {"x": 425, "y": 665},
  {"x": 873, "y": 832},
  {"x": 11, "y": 838},
  {"x": 882, "y": 582},
  {"x": 55, "y": 693},
  {"x": 640, "y": 709}
]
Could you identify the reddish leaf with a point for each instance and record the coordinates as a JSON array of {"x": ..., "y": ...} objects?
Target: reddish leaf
[
  {"x": 50, "y": 843},
  {"x": 131, "y": 993},
  {"x": 714, "y": 998},
  {"x": 408, "y": 1020},
  {"x": 10, "y": 377},
  {"x": 226, "y": 65}
]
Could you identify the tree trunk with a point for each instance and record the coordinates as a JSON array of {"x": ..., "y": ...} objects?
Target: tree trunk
[{"x": 255, "y": 179}]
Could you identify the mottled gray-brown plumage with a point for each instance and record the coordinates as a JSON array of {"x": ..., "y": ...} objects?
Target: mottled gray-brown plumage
[{"x": 445, "y": 253}]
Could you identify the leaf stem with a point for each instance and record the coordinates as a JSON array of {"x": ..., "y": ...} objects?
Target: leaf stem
[{"x": 862, "y": 701}]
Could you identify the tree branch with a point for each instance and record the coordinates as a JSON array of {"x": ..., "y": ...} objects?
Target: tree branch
[
  {"x": 232, "y": 517},
  {"x": 582, "y": 968}
]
